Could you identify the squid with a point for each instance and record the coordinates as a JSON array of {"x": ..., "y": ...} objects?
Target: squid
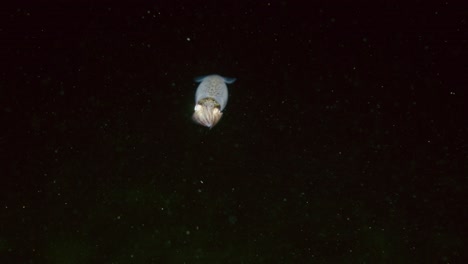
[{"x": 210, "y": 99}]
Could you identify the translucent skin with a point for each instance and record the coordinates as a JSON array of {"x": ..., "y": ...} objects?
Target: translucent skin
[{"x": 213, "y": 86}]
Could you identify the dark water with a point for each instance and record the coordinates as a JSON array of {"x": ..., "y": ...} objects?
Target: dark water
[{"x": 344, "y": 139}]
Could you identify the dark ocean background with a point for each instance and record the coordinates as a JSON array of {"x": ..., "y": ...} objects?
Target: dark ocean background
[{"x": 343, "y": 141}]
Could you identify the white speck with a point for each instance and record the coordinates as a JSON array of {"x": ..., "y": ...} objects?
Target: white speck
[
  {"x": 187, "y": 232},
  {"x": 188, "y": 39},
  {"x": 452, "y": 93}
]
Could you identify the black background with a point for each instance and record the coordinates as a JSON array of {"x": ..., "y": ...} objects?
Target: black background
[{"x": 344, "y": 139}]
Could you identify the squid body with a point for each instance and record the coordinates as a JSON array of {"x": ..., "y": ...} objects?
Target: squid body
[{"x": 210, "y": 99}]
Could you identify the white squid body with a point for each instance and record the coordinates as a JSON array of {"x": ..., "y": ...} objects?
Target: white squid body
[{"x": 210, "y": 99}]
